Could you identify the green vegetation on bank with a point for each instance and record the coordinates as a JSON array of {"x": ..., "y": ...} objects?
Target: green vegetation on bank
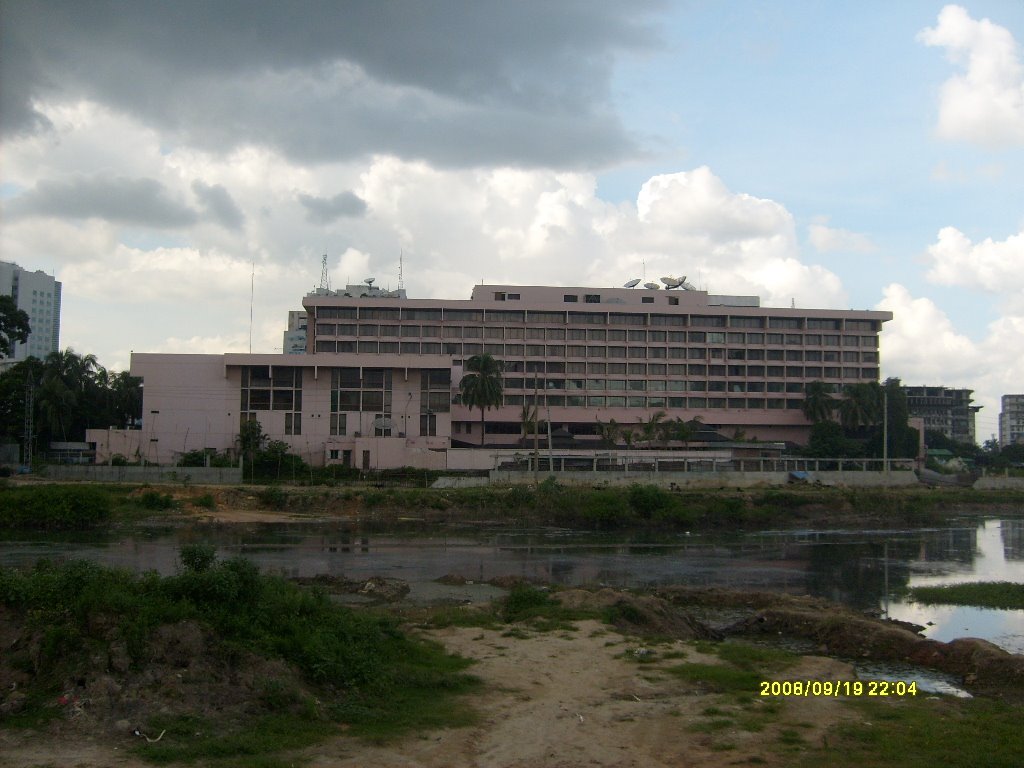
[
  {"x": 639, "y": 506},
  {"x": 923, "y": 732},
  {"x": 54, "y": 507},
  {"x": 983, "y": 594},
  {"x": 340, "y": 665}
]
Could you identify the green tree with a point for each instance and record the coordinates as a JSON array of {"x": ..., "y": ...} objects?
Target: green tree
[
  {"x": 481, "y": 385},
  {"x": 610, "y": 432},
  {"x": 251, "y": 439},
  {"x": 652, "y": 430},
  {"x": 861, "y": 406},
  {"x": 14, "y": 325},
  {"x": 818, "y": 403}
]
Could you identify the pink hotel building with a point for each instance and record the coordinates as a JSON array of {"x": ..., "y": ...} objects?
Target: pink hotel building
[{"x": 377, "y": 385}]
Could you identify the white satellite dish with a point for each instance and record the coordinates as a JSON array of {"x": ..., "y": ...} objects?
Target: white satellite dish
[
  {"x": 369, "y": 281},
  {"x": 652, "y": 286},
  {"x": 632, "y": 283},
  {"x": 672, "y": 282},
  {"x": 687, "y": 286},
  {"x": 382, "y": 422}
]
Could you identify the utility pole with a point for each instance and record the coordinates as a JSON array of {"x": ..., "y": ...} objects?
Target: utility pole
[
  {"x": 885, "y": 430},
  {"x": 29, "y": 420}
]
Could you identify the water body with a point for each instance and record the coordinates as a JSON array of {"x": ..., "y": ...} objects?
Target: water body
[{"x": 861, "y": 568}]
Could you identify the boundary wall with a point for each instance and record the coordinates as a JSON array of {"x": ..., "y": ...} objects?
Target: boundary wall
[{"x": 108, "y": 474}]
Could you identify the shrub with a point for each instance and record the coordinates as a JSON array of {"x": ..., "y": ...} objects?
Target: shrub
[
  {"x": 272, "y": 497},
  {"x": 156, "y": 501},
  {"x": 206, "y": 501},
  {"x": 197, "y": 557}
]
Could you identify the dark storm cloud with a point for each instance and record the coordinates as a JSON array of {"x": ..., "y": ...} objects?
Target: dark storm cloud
[
  {"x": 324, "y": 210},
  {"x": 218, "y": 204},
  {"x": 451, "y": 81},
  {"x": 138, "y": 202}
]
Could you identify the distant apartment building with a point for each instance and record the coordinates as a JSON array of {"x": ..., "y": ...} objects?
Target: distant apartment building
[
  {"x": 379, "y": 383},
  {"x": 38, "y": 294},
  {"x": 294, "y": 341},
  {"x": 1011, "y": 420},
  {"x": 944, "y": 409}
]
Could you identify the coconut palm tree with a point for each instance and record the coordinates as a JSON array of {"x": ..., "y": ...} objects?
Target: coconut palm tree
[
  {"x": 861, "y": 405},
  {"x": 818, "y": 403},
  {"x": 481, "y": 386}
]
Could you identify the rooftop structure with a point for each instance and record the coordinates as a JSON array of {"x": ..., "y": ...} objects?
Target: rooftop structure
[
  {"x": 38, "y": 294},
  {"x": 379, "y": 381}
]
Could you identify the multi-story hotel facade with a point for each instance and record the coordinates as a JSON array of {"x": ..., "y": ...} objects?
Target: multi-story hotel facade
[{"x": 378, "y": 385}]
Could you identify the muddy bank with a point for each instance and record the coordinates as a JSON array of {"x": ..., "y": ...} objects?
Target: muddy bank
[{"x": 981, "y": 666}]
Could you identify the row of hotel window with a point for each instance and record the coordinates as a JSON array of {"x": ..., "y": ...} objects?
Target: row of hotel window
[
  {"x": 332, "y": 330},
  {"x": 537, "y": 317},
  {"x": 574, "y": 350}
]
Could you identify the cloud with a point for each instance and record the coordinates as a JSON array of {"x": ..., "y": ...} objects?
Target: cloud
[
  {"x": 920, "y": 345},
  {"x": 830, "y": 240},
  {"x": 218, "y": 204},
  {"x": 991, "y": 266},
  {"x": 457, "y": 83},
  {"x": 139, "y": 202},
  {"x": 321, "y": 210},
  {"x": 985, "y": 104}
]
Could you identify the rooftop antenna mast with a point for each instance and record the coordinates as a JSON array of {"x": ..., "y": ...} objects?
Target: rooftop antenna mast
[
  {"x": 401, "y": 262},
  {"x": 325, "y": 278}
]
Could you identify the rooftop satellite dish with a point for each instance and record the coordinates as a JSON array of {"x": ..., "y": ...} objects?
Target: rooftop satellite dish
[
  {"x": 382, "y": 422},
  {"x": 672, "y": 282},
  {"x": 632, "y": 283},
  {"x": 687, "y": 286},
  {"x": 369, "y": 281},
  {"x": 652, "y": 286}
]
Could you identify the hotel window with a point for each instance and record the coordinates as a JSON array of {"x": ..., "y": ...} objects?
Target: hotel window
[
  {"x": 410, "y": 331},
  {"x": 677, "y": 337},
  {"x": 570, "y": 298},
  {"x": 716, "y": 338},
  {"x": 592, "y": 298},
  {"x": 596, "y": 352},
  {"x": 576, "y": 350},
  {"x": 616, "y": 335},
  {"x": 494, "y": 349},
  {"x": 658, "y": 336},
  {"x": 784, "y": 322},
  {"x": 851, "y": 341},
  {"x": 389, "y": 330},
  {"x": 616, "y": 351},
  {"x": 430, "y": 348},
  {"x": 514, "y": 333},
  {"x": 851, "y": 357},
  {"x": 657, "y": 353},
  {"x": 388, "y": 348},
  {"x": 656, "y": 369},
  {"x": 619, "y": 368},
  {"x": 367, "y": 330},
  {"x": 596, "y": 334},
  {"x": 556, "y": 350},
  {"x": 708, "y": 321},
  {"x": 535, "y": 350},
  {"x": 637, "y": 336},
  {"x": 575, "y": 367},
  {"x": 339, "y": 423},
  {"x": 472, "y": 332},
  {"x": 830, "y": 340},
  {"x": 646, "y": 299},
  {"x": 736, "y": 338},
  {"x": 677, "y": 402},
  {"x": 637, "y": 369},
  {"x": 638, "y": 353},
  {"x": 823, "y": 324},
  {"x": 794, "y": 371},
  {"x": 696, "y": 369},
  {"x": 812, "y": 372},
  {"x": 293, "y": 423},
  {"x": 832, "y": 373},
  {"x": 813, "y": 339},
  {"x": 595, "y": 368},
  {"x": 555, "y": 334}
]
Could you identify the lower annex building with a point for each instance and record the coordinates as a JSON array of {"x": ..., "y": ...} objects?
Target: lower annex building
[{"x": 378, "y": 383}]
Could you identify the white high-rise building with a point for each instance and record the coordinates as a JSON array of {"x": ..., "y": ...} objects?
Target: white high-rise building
[
  {"x": 38, "y": 294},
  {"x": 1011, "y": 420}
]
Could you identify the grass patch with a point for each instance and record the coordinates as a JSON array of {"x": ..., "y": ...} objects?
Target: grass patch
[
  {"x": 718, "y": 678},
  {"x": 985, "y": 594},
  {"x": 755, "y": 657},
  {"x": 923, "y": 733}
]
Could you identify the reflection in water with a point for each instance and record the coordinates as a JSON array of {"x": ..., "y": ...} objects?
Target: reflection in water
[
  {"x": 1012, "y": 532},
  {"x": 858, "y": 568}
]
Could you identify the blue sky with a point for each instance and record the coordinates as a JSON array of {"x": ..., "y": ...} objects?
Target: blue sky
[{"x": 832, "y": 154}]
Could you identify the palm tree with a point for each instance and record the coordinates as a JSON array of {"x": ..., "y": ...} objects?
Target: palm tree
[
  {"x": 861, "y": 405},
  {"x": 610, "y": 432},
  {"x": 481, "y": 386},
  {"x": 652, "y": 430},
  {"x": 818, "y": 403}
]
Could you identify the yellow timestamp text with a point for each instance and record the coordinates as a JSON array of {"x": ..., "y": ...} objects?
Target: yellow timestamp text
[{"x": 837, "y": 688}]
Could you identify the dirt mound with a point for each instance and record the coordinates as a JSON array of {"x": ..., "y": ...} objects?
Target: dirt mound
[
  {"x": 638, "y": 614},
  {"x": 182, "y": 670}
]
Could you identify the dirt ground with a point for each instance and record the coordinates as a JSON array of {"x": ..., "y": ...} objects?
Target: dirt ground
[{"x": 558, "y": 699}]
